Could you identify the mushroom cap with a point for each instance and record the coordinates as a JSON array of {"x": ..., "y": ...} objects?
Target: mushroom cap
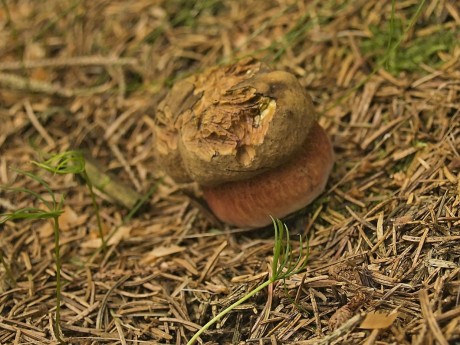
[
  {"x": 277, "y": 192},
  {"x": 176, "y": 102},
  {"x": 231, "y": 123}
]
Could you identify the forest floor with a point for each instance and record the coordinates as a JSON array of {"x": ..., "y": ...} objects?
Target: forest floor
[{"x": 384, "y": 238}]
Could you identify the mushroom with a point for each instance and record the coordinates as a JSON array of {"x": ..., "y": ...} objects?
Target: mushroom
[{"x": 248, "y": 136}]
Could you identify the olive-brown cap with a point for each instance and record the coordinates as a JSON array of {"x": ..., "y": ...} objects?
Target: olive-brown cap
[{"x": 231, "y": 123}]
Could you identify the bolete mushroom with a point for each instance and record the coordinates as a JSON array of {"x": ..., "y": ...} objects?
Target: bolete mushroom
[{"x": 248, "y": 136}]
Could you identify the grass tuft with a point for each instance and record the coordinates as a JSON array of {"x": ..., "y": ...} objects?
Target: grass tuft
[
  {"x": 382, "y": 47},
  {"x": 283, "y": 267}
]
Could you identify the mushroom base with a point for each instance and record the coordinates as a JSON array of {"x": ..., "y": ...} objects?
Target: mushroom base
[{"x": 279, "y": 192}]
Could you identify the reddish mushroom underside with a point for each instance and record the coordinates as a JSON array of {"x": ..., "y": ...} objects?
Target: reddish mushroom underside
[{"x": 278, "y": 192}]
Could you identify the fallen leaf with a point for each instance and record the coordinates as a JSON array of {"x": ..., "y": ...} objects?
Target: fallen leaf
[
  {"x": 70, "y": 219},
  {"x": 378, "y": 320},
  {"x": 46, "y": 230},
  {"x": 160, "y": 252},
  {"x": 67, "y": 220},
  {"x": 122, "y": 233}
]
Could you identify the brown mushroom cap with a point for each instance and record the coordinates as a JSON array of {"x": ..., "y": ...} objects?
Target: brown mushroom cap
[
  {"x": 277, "y": 192},
  {"x": 178, "y": 100},
  {"x": 231, "y": 123}
]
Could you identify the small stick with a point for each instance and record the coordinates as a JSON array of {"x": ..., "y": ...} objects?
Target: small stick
[
  {"x": 36, "y": 123},
  {"x": 15, "y": 82},
  {"x": 68, "y": 62},
  {"x": 110, "y": 185},
  {"x": 19, "y": 83}
]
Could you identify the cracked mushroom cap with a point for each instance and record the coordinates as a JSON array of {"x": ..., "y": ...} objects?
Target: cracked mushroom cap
[{"x": 231, "y": 123}]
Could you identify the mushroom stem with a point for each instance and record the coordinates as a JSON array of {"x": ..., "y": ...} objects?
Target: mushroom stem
[{"x": 278, "y": 192}]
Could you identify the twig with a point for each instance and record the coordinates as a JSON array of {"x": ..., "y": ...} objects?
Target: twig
[
  {"x": 24, "y": 84},
  {"x": 36, "y": 123},
  {"x": 110, "y": 185},
  {"x": 68, "y": 62},
  {"x": 15, "y": 82}
]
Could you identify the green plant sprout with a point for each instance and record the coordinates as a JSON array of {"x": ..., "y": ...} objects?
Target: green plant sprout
[
  {"x": 69, "y": 162},
  {"x": 283, "y": 267},
  {"x": 73, "y": 162},
  {"x": 32, "y": 213}
]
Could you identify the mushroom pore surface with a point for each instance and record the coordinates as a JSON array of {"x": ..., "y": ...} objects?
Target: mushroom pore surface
[{"x": 277, "y": 192}]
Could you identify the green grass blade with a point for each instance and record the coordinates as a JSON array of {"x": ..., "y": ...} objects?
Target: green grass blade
[
  {"x": 226, "y": 311},
  {"x": 30, "y": 213},
  {"x": 47, "y": 203},
  {"x": 68, "y": 162},
  {"x": 277, "y": 247},
  {"x": 142, "y": 201},
  {"x": 57, "y": 257},
  {"x": 299, "y": 265},
  {"x": 96, "y": 209},
  {"x": 42, "y": 182}
]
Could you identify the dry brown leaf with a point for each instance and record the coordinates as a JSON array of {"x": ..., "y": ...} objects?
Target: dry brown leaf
[
  {"x": 378, "y": 320},
  {"x": 122, "y": 233},
  {"x": 69, "y": 219},
  {"x": 46, "y": 230},
  {"x": 160, "y": 252}
]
